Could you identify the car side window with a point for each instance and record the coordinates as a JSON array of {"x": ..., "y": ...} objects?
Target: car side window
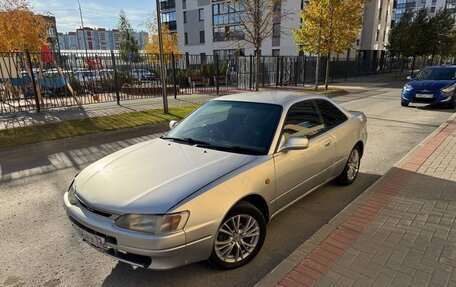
[
  {"x": 332, "y": 115},
  {"x": 302, "y": 119}
]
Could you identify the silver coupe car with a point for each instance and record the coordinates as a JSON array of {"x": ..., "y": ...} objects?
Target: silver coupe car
[{"x": 207, "y": 189}]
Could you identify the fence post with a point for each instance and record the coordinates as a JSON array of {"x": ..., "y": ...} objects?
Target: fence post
[
  {"x": 281, "y": 71},
  {"x": 35, "y": 91},
  {"x": 251, "y": 71},
  {"x": 277, "y": 70},
  {"x": 346, "y": 66},
  {"x": 116, "y": 78},
  {"x": 174, "y": 74},
  {"x": 217, "y": 74},
  {"x": 305, "y": 71}
]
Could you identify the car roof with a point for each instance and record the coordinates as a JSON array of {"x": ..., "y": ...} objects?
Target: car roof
[{"x": 282, "y": 98}]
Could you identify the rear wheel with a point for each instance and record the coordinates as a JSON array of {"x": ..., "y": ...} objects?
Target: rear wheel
[
  {"x": 351, "y": 169},
  {"x": 239, "y": 238}
]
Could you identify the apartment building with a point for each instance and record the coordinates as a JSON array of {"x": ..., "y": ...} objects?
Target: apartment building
[
  {"x": 378, "y": 17},
  {"x": 202, "y": 25},
  {"x": 97, "y": 39},
  {"x": 432, "y": 5}
]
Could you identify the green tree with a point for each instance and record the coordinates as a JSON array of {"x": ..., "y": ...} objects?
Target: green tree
[
  {"x": 442, "y": 39},
  {"x": 129, "y": 51},
  {"x": 419, "y": 30},
  {"x": 329, "y": 26},
  {"x": 399, "y": 36}
]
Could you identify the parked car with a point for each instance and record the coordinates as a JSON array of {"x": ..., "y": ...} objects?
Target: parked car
[
  {"x": 142, "y": 75},
  {"x": 432, "y": 85},
  {"x": 207, "y": 189},
  {"x": 87, "y": 76}
]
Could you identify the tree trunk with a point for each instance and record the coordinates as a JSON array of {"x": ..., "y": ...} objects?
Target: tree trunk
[
  {"x": 317, "y": 72},
  {"x": 327, "y": 71},
  {"x": 257, "y": 69},
  {"x": 413, "y": 65}
]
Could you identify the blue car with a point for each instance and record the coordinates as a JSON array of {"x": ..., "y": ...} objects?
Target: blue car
[{"x": 434, "y": 85}]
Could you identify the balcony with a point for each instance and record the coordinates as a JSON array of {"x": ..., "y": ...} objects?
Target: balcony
[
  {"x": 172, "y": 26},
  {"x": 168, "y": 4}
]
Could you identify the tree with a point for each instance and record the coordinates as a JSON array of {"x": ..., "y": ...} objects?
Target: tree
[
  {"x": 21, "y": 29},
  {"x": 329, "y": 26},
  {"x": 170, "y": 40},
  {"x": 442, "y": 40},
  {"x": 398, "y": 37},
  {"x": 256, "y": 20},
  {"x": 128, "y": 46}
]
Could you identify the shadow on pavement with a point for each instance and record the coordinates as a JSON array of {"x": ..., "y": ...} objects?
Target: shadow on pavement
[
  {"x": 76, "y": 152},
  {"x": 286, "y": 232}
]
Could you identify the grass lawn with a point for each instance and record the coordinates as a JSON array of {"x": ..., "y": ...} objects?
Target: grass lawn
[{"x": 53, "y": 131}]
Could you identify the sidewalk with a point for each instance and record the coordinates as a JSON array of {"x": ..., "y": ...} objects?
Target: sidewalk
[
  {"x": 400, "y": 232},
  {"x": 54, "y": 115}
]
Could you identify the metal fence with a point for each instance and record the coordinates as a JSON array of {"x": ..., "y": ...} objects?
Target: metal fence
[{"x": 35, "y": 80}]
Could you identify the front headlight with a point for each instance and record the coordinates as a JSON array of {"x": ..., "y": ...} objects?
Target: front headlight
[
  {"x": 72, "y": 194},
  {"x": 155, "y": 224},
  {"x": 408, "y": 88},
  {"x": 449, "y": 89}
]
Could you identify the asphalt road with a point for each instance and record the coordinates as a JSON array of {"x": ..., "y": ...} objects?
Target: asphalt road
[{"x": 38, "y": 246}]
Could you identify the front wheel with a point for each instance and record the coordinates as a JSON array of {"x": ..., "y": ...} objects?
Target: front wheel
[
  {"x": 404, "y": 104},
  {"x": 351, "y": 169},
  {"x": 239, "y": 238}
]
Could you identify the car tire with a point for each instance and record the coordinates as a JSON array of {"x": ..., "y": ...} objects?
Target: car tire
[
  {"x": 404, "y": 104},
  {"x": 243, "y": 239},
  {"x": 351, "y": 169}
]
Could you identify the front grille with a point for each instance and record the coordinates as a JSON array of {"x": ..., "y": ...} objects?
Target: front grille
[{"x": 104, "y": 214}]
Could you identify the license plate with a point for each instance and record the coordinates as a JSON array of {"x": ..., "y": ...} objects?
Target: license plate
[
  {"x": 424, "y": 96},
  {"x": 93, "y": 239}
]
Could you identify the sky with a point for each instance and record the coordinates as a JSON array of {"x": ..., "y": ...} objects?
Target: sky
[{"x": 96, "y": 13}]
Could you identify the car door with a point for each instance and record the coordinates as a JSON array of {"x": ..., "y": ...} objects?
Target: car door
[
  {"x": 344, "y": 135},
  {"x": 300, "y": 171}
]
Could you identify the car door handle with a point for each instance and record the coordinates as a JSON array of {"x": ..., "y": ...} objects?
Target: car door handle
[{"x": 328, "y": 143}]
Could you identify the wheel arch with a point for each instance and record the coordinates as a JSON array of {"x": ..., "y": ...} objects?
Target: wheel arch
[{"x": 259, "y": 202}]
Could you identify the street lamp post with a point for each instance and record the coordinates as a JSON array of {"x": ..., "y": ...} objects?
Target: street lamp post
[
  {"x": 162, "y": 62},
  {"x": 82, "y": 28}
]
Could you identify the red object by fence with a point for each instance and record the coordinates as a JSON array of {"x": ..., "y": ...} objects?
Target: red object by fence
[{"x": 46, "y": 55}]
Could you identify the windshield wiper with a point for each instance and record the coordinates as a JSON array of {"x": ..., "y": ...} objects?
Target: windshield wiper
[{"x": 188, "y": 141}]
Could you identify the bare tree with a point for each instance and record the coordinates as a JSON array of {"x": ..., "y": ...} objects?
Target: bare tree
[{"x": 256, "y": 20}]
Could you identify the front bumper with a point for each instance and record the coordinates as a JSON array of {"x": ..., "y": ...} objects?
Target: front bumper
[
  {"x": 136, "y": 248},
  {"x": 438, "y": 97}
]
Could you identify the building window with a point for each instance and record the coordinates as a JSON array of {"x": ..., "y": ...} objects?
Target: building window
[
  {"x": 276, "y": 52},
  {"x": 202, "y": 37},
  {"x": 201, "y": 14},
  {"x": 184, "y": 4},
  {"x": 378, "y": 34},
  {"x": 186, "y": 38},
  {"x": 185, "y": 16},
  {"x": 276, "y": 30}
]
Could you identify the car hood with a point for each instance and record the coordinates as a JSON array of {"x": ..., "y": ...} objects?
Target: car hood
[
  {"x": 153, "y": 176},
  {"x": 430, "y": 85}
]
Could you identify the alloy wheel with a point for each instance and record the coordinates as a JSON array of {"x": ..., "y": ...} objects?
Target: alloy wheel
[
  {"x": 237, "y": 238},
  {"x": 353, "y": 164}
]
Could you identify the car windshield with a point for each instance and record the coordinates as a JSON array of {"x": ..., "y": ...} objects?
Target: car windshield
[
  {"x": 436, "y": 74},
  {"x": 239, "y": 127}
]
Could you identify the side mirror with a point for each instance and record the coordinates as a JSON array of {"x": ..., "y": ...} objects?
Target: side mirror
[
  {"x": 410, "y": 78},
  {"x": 173, "y": 124},
  {"x": 295, "y": 143}
]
